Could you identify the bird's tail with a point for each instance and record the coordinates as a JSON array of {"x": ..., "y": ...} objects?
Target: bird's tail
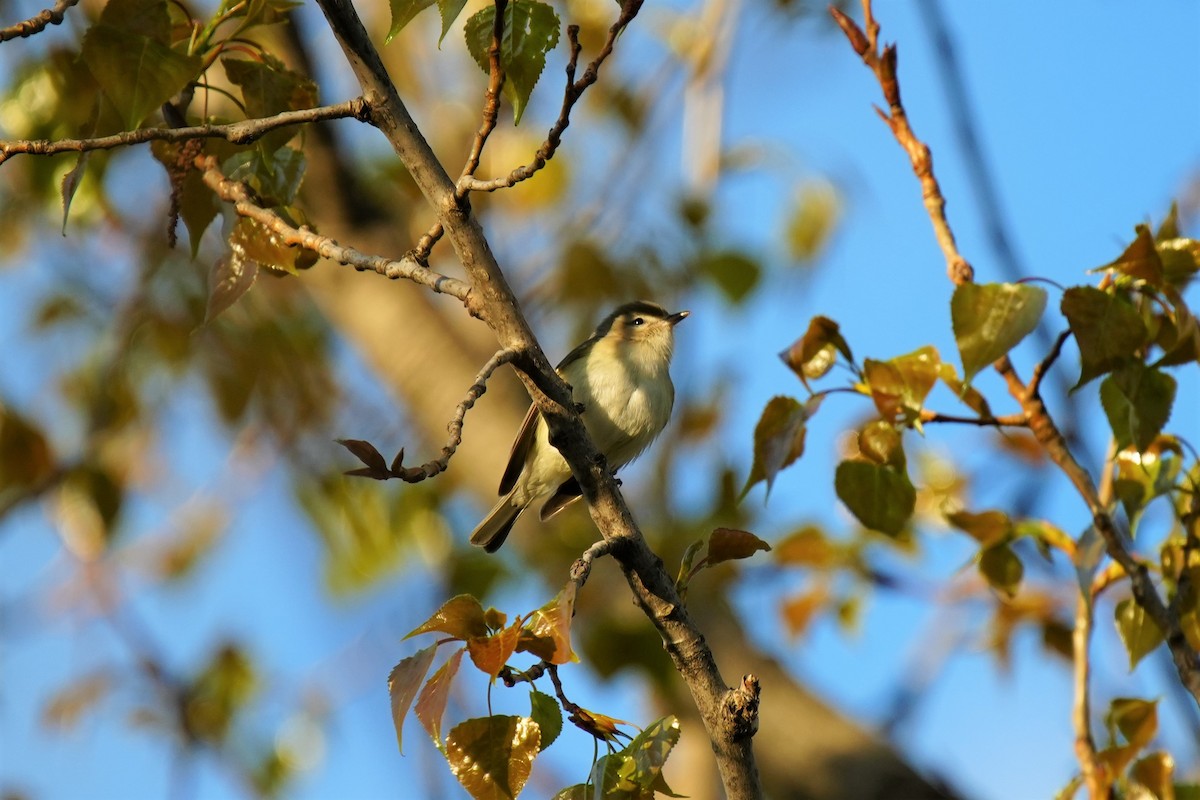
[{"x": 492, "y": 532}]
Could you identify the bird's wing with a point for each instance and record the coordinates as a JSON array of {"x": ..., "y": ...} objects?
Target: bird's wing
[
  {"x": 568, "y": 492},
  {"x": 520, "y": 451}
]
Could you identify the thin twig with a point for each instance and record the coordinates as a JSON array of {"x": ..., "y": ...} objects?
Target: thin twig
[
  {"x": 491, "y": 100},
  {"x": 571, "y": 94},
  {"x": 1043, "y": 366},
  {"x": 883, "y": 64},
  {"x": 1081, "y": 714},
  {"x": 1006, "y": 421},
  {"x": 38, "y": 22},
  {"x": 236, "y": 193},
  {"x": 242, "y": 132}
]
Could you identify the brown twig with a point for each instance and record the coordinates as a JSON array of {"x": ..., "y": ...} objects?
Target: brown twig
[
  {"x": 883, "y": 64},
  {"x": 1093, "y": 771},
  {"x": 242, "y": 132},
  {"x": 1006, "y": 421},
  {"x": 38, "y": 22},
  {"x": 491, "y": 99},
  {"x": 236, "y": 193},
  {"x": 1043, "y": 366},
  {"x": 571, "y": 94}
]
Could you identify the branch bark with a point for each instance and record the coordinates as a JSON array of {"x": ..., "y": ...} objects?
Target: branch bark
[{"x": 653, "y": 589}]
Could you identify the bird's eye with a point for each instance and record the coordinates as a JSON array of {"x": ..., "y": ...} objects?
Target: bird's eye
[{"x": 637, "y": 321}]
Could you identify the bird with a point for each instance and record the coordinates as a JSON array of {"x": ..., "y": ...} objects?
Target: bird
[{"x": 620, "y": 377}]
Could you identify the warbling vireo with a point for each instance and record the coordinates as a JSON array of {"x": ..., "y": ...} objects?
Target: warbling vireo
[{"x": 621, "y": 377}]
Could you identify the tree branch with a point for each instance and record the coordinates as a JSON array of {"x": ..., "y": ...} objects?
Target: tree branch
[
  {"x": 37, "y": 23},
  {"x": 1006, "y": 421},
  {"x": 242, "y": 132},
  {"x": 653, "y": 589},
  {"x": 236, "y": 193}
]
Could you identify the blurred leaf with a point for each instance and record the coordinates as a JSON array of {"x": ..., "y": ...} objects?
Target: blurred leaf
[
  {"x": 779, "y": 438},
  {"x": 1136, "y": 719},
  {"x": 1155, "y": 772},
  {"x": 67, "y": 706},
  {"x": 544, "y": 710},
  {"x": 881, "y": 443},
  {"x": 1137, "y": 400},
  {"x": 490, "y": 653},
  {"x": 987, "y": 527},
  {"x": 403, "y": 12},
  {"x": 1138, "y": 632},
  {"x": 992, "y": 318},
  {"x": 727, "y": 544},
  {"x": 460, "y": 617},
  {"x": 1140, "y": 259},
  {"x": 811, "y": 220},
  {"x": 547, "y": 632},
  {"x": 26, "y": 459},
  {"x": 807, "y": 547},
  {"x": 1107, "y": 328},
  {"x": 218, "y": 694},
  {"x": 1001, "y": 568},
  {"x": 493, "y": 756},
  {"x": 229, "y": 279},
  {"x": 1180, "y": 259},
  {"x": 899, "y": 386},
  {"x": 431, "y": 704},
  {"x": 1179, "y": 338},
  {"x": 531, "y": 30},
  {"x": 881, "y": 497},
  {"x": 734, "y": 273},
  {"x": 812, "y": 355},
  {"x": 798, "y": 611},
  {"x": 403, "y": 682},
  {"x": 1141, "y": 477},
  {"x": 196, "y": 535}
]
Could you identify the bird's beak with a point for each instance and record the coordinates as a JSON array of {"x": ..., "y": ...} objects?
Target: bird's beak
[{"x": 678, "y": 317}]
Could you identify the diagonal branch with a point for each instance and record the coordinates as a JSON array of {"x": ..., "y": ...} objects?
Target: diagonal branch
[
  {"x": 242, "y": 132},
  {"x": 653, "y": 589},
  {"x": 236, "y": 193},
  {"x": 38, "y": 22}
]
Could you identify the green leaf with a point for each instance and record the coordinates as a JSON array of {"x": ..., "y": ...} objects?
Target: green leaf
[
  {"x": 274, "y": 177},
  {"x": 778, "y": 438},
  {"x": 1143, "y": 476},
  {"x": 1136, "y": 719},
  {"x": 992, "y": 318},
  {"x": 402, "y": 686},
  {"x": 268, "y": 88},
  {"x": 1140, "y": 259},
  {"x": 403, "y": 12},
  {"x": 727, "y": 544},
  {"x": 881, "y": 497},
  {"x": 1137, "y": 400},
  {"x": 70, "y": 184},
  {"x": 137, "y": 73},
  {"x": 812, "y": 355},
  {"x": 1001, "y": 568},
  {"x": 1107, "y": 328},
  {"x": 987, "y": 527},
  {"x": 735, "y": 274},
  {"x": 899, "y": 386},
  {"x": 493, "y": 756},
  {"x": 460, "y": 617},
  {"x": 531, "y": 29},
  {"x": 449, "y": 10},
  {"x": 1138, "y": 631},
  {"x": 1180, "y": 259},
  {"x": 544, "y": 710},
  {"x": 649, "y": 750}
]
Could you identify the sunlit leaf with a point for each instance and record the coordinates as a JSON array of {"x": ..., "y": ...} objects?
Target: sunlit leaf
[
  {"x": 1156, "y": 772},
  {"x": 986, "y": 527},
  {"x": 649, "y": 750},
  {"x": 431, "y": 704},
  {"x": 798, "y": 611},
  {"x": 812, "y": 354},
  {"x": 1181, "y": 260},
  {"x": 879, "y": 441},
  {"x": 228, "y": 279},
  {"x": 1107, "y": 328},
  {"x": 779, "y": 438},
  {"x": 136, "y": 72},
  {"x": 1143, "y": 476},
  {"x": 727, "y": 544},
  {"x": 1140, "y": 259},
  {"x": 1137, "y": 400},
  {"x": 547, "y": 633},
  {"x": 1138, "y": 631},
  {"x": 1001, "y": 568},
  {"x": 881, "y": 497},
  {"x": 491, "y": 653},
  {"x": 545, "y": 711},
  {"x": 807, "y": 547},
  {"x": 992, "y": 318},
  {"x": 899, "y": 386},
  {"x": 1136, "y": 719},
  {"x": 531, "y": 30},
  {"x": 403, "y": 683},
  {"x": 492, "y": 756},
  {"x": 460, "y": 617}
]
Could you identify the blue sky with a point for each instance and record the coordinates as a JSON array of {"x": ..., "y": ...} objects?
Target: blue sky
[{"x": 1089, "y": 118}]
